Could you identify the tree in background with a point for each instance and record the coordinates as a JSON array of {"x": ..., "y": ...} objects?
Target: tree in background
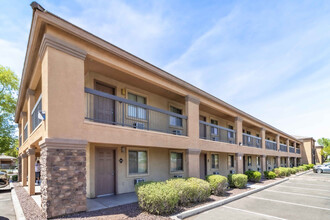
[
  {"x": 325, "y": 142},
  {"x": 8, "y": 96}
]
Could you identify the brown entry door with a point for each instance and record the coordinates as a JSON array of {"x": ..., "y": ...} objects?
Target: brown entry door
[
  {"x": 202, "y": 165},
  {"x": 104, "y": 108},
  {"x": 104, "y": 171}
]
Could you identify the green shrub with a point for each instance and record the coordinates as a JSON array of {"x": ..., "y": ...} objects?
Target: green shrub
[
  {"x": 269, "y": 175},
  {"x": 10, "y": 172},
  {"x": 190, "y": 190},
  {"x": 279, "y": 172},
  {"x": 14, "y": 178},
  {"x": 5, "y": 171},
  {"x": 218, "y": 184},
  {"x": 201, "y": 189},
  {"x": 237, "y": 180},
  {"x": 157, "y": 197},
  {"x": 296, "y": 169},
  {"x": 253, "y": 176},
  {"x": 310, "y": 166}
]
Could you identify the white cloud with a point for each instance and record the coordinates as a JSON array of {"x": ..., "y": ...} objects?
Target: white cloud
[{"x": 11, "y": 56}]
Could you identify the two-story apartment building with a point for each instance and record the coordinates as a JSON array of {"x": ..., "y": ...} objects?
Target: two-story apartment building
[{"x": 100, "y": 119}]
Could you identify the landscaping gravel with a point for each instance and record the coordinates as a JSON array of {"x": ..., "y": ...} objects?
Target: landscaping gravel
[{"x": 130, "y": 211}]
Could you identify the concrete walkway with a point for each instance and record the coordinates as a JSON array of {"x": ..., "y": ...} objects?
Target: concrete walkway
[
  {"x": 110, "y": 201},
  {"x": 6, "y": 206}
]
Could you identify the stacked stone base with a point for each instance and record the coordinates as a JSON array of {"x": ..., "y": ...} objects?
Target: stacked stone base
[{"x": 63, "y": 177}]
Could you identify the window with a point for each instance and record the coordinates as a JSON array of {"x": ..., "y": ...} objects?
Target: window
[
  {"x": 138, "y": 162},
  {"x": 258, "y": 161},
  {"x": 231, "y": 162},
  {"x": 176, "y": 161},
  {"x": 175, "y": 121},
  {"x": 249, "y": 161},
  {"x": 135, "y": 111},
  {"x": 215, "y": 161},
  {"x": 214, "y": 130},
  {"x": 230, "y": 133}
]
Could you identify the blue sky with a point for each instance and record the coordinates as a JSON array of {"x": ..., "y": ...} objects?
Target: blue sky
[{"x": 268, "y": 58}]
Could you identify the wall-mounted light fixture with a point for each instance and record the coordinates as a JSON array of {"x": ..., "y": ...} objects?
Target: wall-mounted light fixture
[{"x": 240, "y": 144}]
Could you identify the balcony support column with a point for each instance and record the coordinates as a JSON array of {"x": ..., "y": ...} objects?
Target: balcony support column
[
  {"x": 239, "y": 131},
  {"x": 295, "y": 161},
  {"x": 278, "y": 142},
  {"x": 31, "y": 170},
  {"x": 24, "y": 120},
  {"x": 31, "y": 101},
  {"x": 288, "y": 162},
  {"x": 263, "y": 138},
  {"x": 288, "y": 145},
  {"x": 193, "y": 162},
  {"x": 278, "y": 161},
  {"x": 192, "y": 111},
  {"x": 239, "y": 162},
  {"x": 295, "y": 146},
  {"x": 24, "y": 169}
]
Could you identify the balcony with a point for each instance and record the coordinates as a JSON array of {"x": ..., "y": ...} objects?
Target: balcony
[
  {"x": 271, "y": 145},
  {"x": 216, "y": 133},
  {"x": 251, "y": 141},
  {"x": 298, "y": 151},
  {"x": 34, "y": 115},
  {"x": 291, "y": 149},
  {"x": 109, "y": 109},
  {"x": 283, "y": 148}
]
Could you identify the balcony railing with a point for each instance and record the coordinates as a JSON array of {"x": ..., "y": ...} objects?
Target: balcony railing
[
  {"x": 34, "y": 114},
  {"x": 271, "y": 145},
  {"x": 109, "y": 109},
  {"x": 297, "y": 150},
  {"x": 251, "y": 141},
  {"x": 25, "y": 134},
  {"x": 291, "y": 149},
  {"x": 283, "y": 148},
  {"x": 216, "y": 133}
]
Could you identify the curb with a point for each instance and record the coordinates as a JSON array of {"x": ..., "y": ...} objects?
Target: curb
[
  {"x": 17, "y": 206},
  {"x": 198, "y": 210}
]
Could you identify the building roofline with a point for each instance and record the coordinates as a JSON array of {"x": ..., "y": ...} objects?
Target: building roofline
[{"x": 39, "y": 11}]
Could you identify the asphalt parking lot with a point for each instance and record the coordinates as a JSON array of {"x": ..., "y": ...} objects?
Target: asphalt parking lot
[{"x": 301, "y": 197}]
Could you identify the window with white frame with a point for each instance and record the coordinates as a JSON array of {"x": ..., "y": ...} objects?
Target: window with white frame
[
  {"x": 176, "y": 161},
  {"x": 215, "y": 161},
  {"x": 136, "y": 111},
  {"x": 138, "y": 161},
  {"x": 214, "y": 130},
  {"x": 175, "y": 121}
]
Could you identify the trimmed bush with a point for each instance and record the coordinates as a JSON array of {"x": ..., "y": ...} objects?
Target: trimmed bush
[
  {"x": 269, "y": 175},
  {"x": 157, "y": 197},
  {"x": 217, "y": 183},
  {"x": 292, "y": 170},
  {"x": 296, "y": 169},
  {"x": 237, "y": 180},
  {"x": 279, "y": 172},
  {"x": 253, "y": 176},
  {"x": 310, "y": 166},
  {"x": 190, "y": 190}
]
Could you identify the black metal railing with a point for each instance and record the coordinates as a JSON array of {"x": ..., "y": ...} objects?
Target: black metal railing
[
  {"x": 25, "y": 132},
  {"x": 213, "y": 132},
  {"x": 298, "y": 150},
  {"x": 110, "y": 109},
  {"x": 283, "y": 148},
  {"x": 251, "y": 141},
  {"x": 271, "y": 145},
  {"x": 34, "y": 115},
  {"x": 291, "y": 149}
]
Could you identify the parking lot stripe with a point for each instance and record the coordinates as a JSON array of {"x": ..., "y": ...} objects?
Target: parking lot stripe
[
  {"x": 256, "y": 213},
  {"x": 308, "y": 184},
  {"x": 299, "y": 194},
  {"x": 323, "y": 190},
  {"x": 290, "y": 203}
]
